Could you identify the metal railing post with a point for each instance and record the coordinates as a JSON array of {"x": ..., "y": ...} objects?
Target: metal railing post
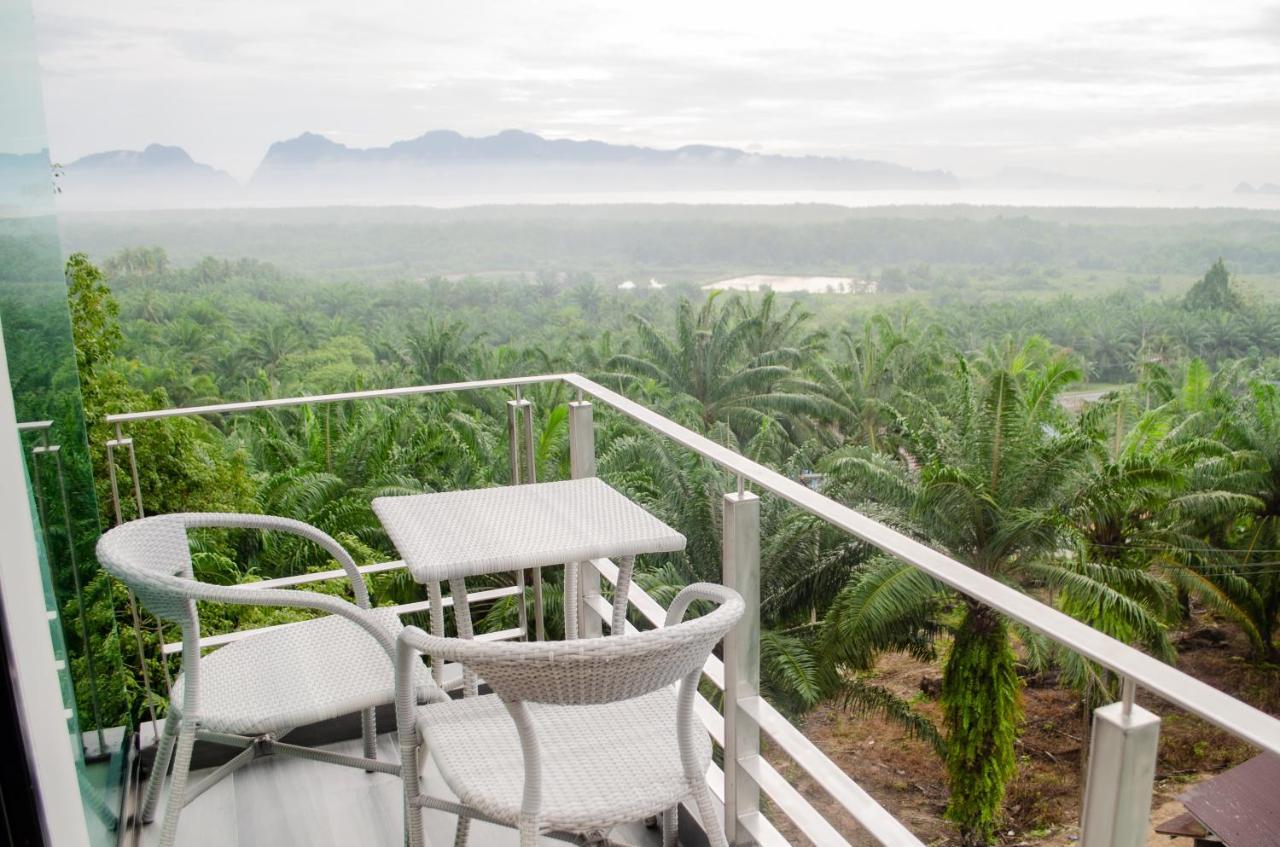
[
  {"x": 1122, "y": 770},
  {"x": 43, "y": 451},
  {"x": 530, "y": 451},
  {"x": 741, "y": 660},
  {"x": 73, "y": 565},
  {"x": 582, "y": 465},
  {"x": 134, "y": 614}
]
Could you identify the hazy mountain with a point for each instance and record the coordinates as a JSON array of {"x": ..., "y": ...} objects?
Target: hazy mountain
[
  {"x": 312, "y": 168},
  {"x": 1264, "y": 188},
  {"x": 444, "y": 166},
  {"x": 26, "y": 183},
  {"x": 158, "y": 177}
]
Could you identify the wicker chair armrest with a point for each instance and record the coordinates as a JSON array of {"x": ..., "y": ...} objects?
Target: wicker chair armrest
[
  {"x": 708, "y": 591},
  {"x": 231, "y": 520},
  {"x": 285, "y": 598},
  {"x": 461, "y": 650}
]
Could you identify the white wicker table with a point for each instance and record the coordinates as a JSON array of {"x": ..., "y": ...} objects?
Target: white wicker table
[{"x": 456, "y": 534}]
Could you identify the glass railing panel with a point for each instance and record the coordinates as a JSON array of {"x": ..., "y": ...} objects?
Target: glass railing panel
[{"x": 47, "y": 396}]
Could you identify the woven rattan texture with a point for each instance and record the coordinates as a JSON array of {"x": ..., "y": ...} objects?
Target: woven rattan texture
[
  {"x": 491, "y": 530},
  {"x": 602, "y": 763},
  {"x": 295, "y": 675}
]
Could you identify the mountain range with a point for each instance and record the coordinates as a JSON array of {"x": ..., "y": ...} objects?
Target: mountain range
[
  {"x": 446, "y": 168},
  {"x": 1263, "y": 188},
  {"x": 312, "y": 169}
]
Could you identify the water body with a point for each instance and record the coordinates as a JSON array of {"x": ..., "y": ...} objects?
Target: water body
[
  {"x": 795, "y": 284},
  {"x": 1117, "y": 199}
]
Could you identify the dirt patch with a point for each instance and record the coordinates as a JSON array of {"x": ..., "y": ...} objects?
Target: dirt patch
[{"x": 905, "y": 776}]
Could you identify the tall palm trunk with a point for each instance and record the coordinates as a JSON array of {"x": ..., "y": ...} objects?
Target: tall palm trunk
[{"x": 982, "y": 705}]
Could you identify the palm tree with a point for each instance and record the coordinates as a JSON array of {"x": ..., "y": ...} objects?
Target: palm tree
[
  {"x": 325, "y": 464},
  {"x": 771, "y": 330},
  {"x": 438, "y": 352},
  {"x": 858, "y": 387},
  {"x": 1249, "y": 588},
  {"x": 709, "y": 362},
  {"x": 1135, "y": 522},
  {"x": 997, "y": 472},
  {"x": 271, "y": 343}
]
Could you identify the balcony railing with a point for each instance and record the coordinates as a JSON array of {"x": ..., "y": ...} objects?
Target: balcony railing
[{"x": 1121, "y": 765}]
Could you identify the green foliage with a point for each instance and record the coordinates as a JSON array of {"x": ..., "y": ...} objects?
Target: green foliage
[
  {"x": 1247, "y": 582},
  {"x": 95, "y": 325},
  {"x": 183, "y": 465},
  {"x": 1213, "y": 291},
  {"x": 729, "y": 361},
  {"x": 947, "y": 423},
  {"x": 981, "y": 700}
]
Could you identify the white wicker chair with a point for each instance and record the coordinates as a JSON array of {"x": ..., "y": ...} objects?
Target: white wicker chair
[
  {"x": 603, "y": 736},
  {"x": 251, "y": 692}
]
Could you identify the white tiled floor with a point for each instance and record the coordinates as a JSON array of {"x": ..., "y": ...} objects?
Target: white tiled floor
[{"x": 284, "y": 801}]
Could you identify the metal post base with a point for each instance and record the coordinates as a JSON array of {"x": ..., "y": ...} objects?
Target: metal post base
[{"x": 1122, "y": 769}]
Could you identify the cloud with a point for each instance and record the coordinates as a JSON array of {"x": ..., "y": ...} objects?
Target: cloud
[{"x": 950, "y": 86}]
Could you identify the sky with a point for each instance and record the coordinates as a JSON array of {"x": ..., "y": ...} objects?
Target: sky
[{"x": 1139, "y": 92}]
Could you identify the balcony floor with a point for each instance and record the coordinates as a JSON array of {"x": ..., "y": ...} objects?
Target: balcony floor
[{"x": 284, "y": 800}]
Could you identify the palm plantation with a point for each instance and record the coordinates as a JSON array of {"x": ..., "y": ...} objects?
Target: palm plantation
[{"x": 1162, "y": 496}]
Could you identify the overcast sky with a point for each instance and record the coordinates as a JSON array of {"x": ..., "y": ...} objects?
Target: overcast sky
[{"x": 1141, "y": 91}]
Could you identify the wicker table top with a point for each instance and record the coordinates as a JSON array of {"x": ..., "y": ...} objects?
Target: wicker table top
[{"x": 491, "y": 530}]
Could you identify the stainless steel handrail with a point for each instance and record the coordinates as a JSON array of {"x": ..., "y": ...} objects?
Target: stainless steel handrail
[
  {"x": 317, "y": 399},
  {"x": 1172, "y": 685}
]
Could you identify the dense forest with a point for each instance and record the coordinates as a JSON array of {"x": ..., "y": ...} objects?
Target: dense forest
[{"x": 1115, "y": 455}]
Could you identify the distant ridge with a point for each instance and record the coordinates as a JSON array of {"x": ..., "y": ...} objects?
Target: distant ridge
[
  {"x": 444, "y": 168},
  {"x": 513, "y": 160},
  {"x": 158, "y": 176},
  {"x": 1264, "y": 188},
  {"x": 26, "y": 183}
]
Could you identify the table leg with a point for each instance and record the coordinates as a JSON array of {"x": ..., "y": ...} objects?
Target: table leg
[
  {"x": 541, "y": 619},
  {"x": 625, "y": 566},
  {"x": 462, "y": 617},
  {"x": 437, "y": 627},
  {"x": 522, "y": 614},
  {"x": 571, "y": 601}
]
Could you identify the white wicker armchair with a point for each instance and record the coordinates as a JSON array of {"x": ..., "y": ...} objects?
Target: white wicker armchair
[
  {"x": 603, "y": 737},
  {"x": 250, "y": 693}
]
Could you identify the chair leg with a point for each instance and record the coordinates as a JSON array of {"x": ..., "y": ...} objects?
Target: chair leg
[
  {"x": 164, "y": 750},
  {"x": 463, "y": 832},
  {"x": 710, "y": 817},
  {"x": 528, "y": 831},
  {"x": 178, "y": 788},
  {"x": 671, "y": 827},
  {"x": 414, "y": 835},
  {"x": 369, "y": 729}
]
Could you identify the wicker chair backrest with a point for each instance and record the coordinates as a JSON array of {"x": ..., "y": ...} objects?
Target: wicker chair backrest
[
  {"x": 153, "y": 557},
  {"x": 146, "y": 555},
  {"x": 594, "y": 670}
]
